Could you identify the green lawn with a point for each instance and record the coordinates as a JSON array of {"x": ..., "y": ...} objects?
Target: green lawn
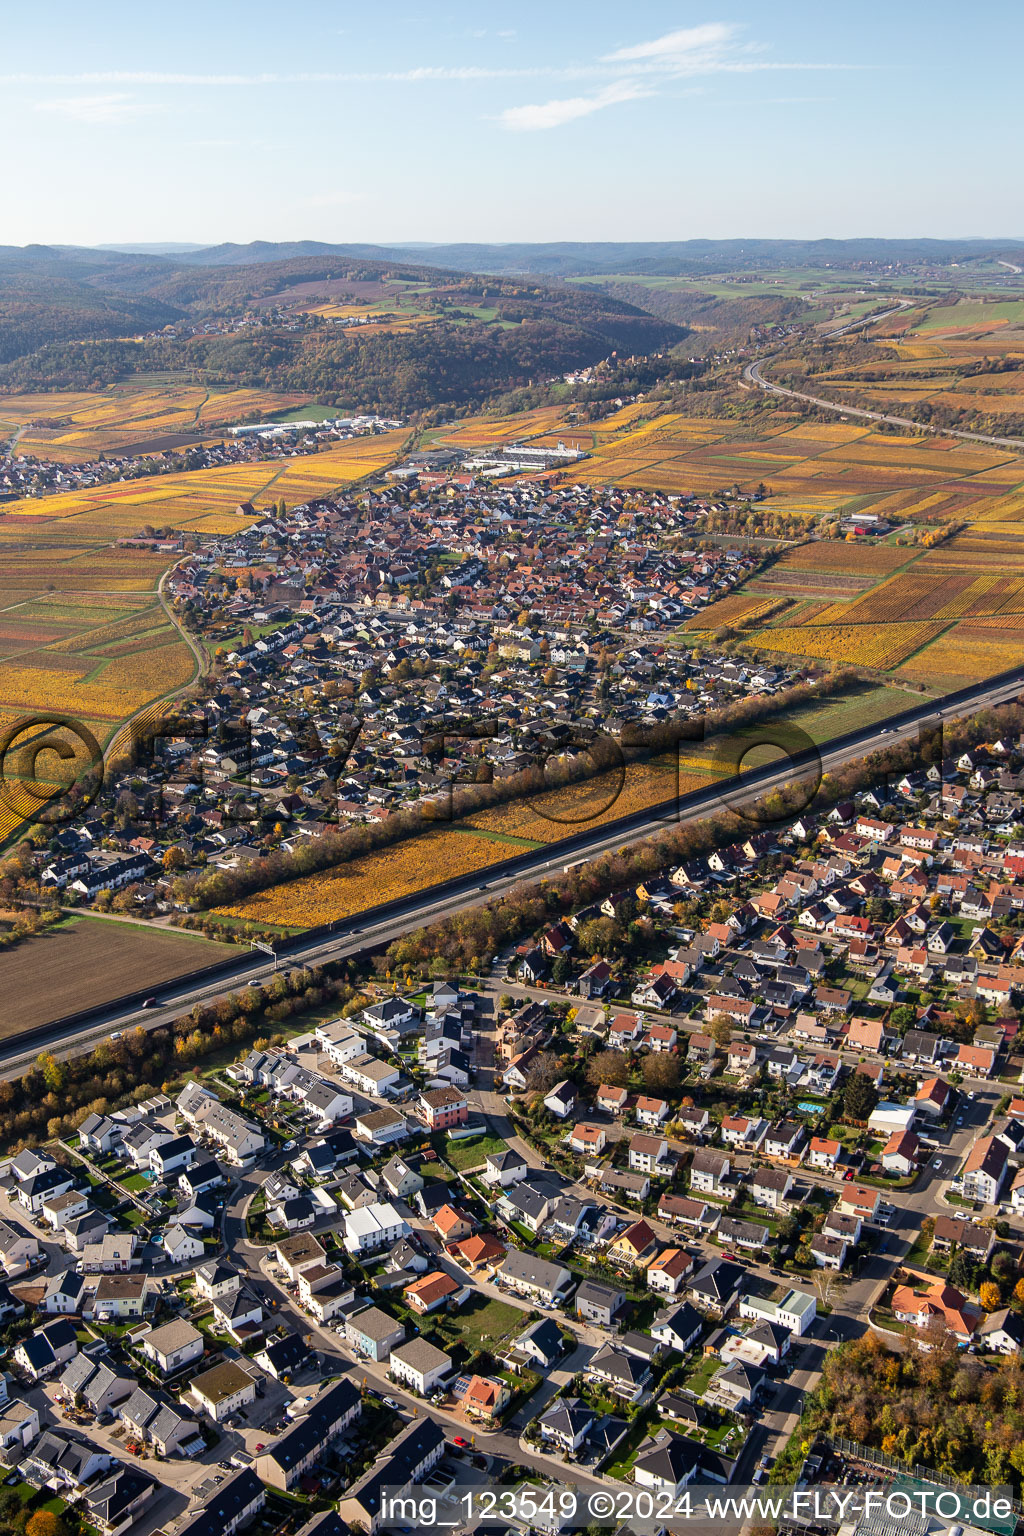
[
  {"x": 485, "y": 1324},
  {"x": 470, "y": 1153}
]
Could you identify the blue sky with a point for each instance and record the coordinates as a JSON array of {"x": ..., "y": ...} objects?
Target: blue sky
[{"x": 541, "y": 121}]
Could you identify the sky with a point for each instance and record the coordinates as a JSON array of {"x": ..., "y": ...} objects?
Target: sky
[{"x": 562, "y": 120}]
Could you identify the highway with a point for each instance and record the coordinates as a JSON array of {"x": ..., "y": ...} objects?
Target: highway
[
  {"x": 358, "y": 934},
  {"x": 752, "y": 373}
]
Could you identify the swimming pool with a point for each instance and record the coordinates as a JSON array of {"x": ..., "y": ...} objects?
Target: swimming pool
[{"x": 810, "y": 1107}]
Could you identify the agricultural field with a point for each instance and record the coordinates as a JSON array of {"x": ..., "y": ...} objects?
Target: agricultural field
[
  {"x": 83, "y": 630},
  {"x": 940, "y": 617},
  {"x": 85, "y": 961},
  {"x": 811, "y": 469},
  {"x": 131, "y": 418},
  {"x": 386, "y": 875},
  {"x": 201, "y": 500}
]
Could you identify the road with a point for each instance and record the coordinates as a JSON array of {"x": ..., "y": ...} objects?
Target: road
[
  {"x": 358, "y": 934},
  {"x": 752, "y": 373}
]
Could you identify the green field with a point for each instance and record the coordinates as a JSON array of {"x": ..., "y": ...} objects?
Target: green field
[{"x": 971, "y": 312}]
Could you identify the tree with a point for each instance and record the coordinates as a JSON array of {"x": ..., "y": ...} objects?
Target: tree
[
  {"x": 720, "y": 1030},
  {"x": 608, "y": 1067},
  {"x": 545, "y": 1072},
  {"x": 961, "y": 1270},
  {"x": 45, "y": 1523},
  {"x": 859, "y": 1096},
  {"x": 1018, "y": 1291},
  {"x": 989, "y": 1296},
  {"x": 661, "y": 1072}
]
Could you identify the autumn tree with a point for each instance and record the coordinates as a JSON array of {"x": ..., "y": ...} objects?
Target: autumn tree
[
  {"x": 608, "y": 1067},
  {"x": 661, "y": 1072},
  {"x": 720, "y": 1030},
  {"x": 989, "y": 1296}
]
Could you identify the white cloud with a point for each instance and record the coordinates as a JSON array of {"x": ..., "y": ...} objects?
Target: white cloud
[
  {"x": 682, "y": 46},
  {"x": 553, "y": 114},
  {"x": 112, "y": 108}
]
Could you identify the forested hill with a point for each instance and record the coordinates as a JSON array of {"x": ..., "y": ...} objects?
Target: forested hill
[{"x": 470, "y": 338}]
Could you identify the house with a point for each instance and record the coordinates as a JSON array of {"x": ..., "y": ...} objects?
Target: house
[
  {"x": 530, "y": 1276},
  {"x": 373, "y": 1333},
  {"x": 18, "y": 1247},
  {"x": 284, "y": 1357},
  {"x": 158, "y": 1422},
  {"x": 975, "y": 1060},
  {"x": 47, "y": 1349},
  {"x": 292, "y": 1453},
  {"x": 612, "y": 1100},
  {"x": 486, "y": 1398},
  {"x": 561, "y": 1100},
  {"x": 118, "y": 1297},
  {"x": 600, "y": 1304},
  {"x": 400, "y": 1180},
  {"x": 678, "y": 1327},
  {"x": 624, "y": 1373},
  {"x": 478, "y": 1252},
  {"x": 952, "y": 1232},
  {"x": 173, "y": 1156},
  {"x": 452, "y": 1224},
  {"x": 567, "y": 1424},
  {"x": 173, "y": 1346},
  {"x": 637, "y": 1243},
  {"x": 823, "y": 1152},
  {"x": 666, "y": 1464},
  {"x": 373, "y": 1227},
  {"x": 796, "y": 1311},
  {"x": 1003, "y": 1331},
  {"x": 586, "y": 1139},
  {"x": 504, "y": 1168},
  {"x": 933, "y": 1098},
  {"x": 708, "y": 1171},
  {"x": 667, "y": 1272},
  {"x": 901, "y": 1153},
  {"x": 215, "y": 1279},
  {"x": 541, "y": 1343},
  {"x": 649, "y": 1154},
  {"x": 444, "y": 1107},
  {"x": 419, "y": 1365},
  {"x": 431, "y": 1291},
  {"x": 380, "y": 1127},
  {"x": 229, "y": 1508},
  {"x": 181, "y": 1247},
  {"x": 858, "y": 1200},
  {"x": 716, "y": 1286},
  {"x": 31, "y": 1192},
  {"x": 222, "y": 1391},
  {"x": 985, "y": 1170},
  {"x": 828, "y": 1250},
  {"x": 651, "y": 1112},
  {"x": 770, "y": 1187},
  {"x": 239, "y": 1314},
  {"x": 736, "y": 1387},
  {"x": 408, "y": 1459},
  {"x": 935, "y": 1300}
]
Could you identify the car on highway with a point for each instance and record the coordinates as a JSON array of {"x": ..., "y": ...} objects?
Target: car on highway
[
  {"x": 150, "y": 1002},
  {"x": 116, "y": 1035}
]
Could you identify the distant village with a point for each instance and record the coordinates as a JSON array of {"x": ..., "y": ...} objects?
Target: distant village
[{"x": 358, "y": 643}]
